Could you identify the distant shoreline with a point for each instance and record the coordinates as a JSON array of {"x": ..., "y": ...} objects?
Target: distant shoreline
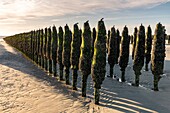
[{"x": 1, "y": 37}]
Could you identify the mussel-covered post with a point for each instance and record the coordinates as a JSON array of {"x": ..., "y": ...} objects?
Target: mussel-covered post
[
  {"x": 42, "y": 45},
  {"x": 59, "y": 52},
  {"x": 124, "y": 53},
  {"x": 112, "y": 50},
  {"x": 118, "y": 44},
  {"x": 39, "y": 49},
  {"x": 66, "y": 52},
  {"x": 54, "y": 51},
  {"x": 134, "y": 41},
  {"x": 49, "y": 55},
  {"x": 36, "y": 47},
  {"x": 98, "y": 69},
  {"x": 24, "y": 43},
  {"x": 75, "y": 54},
  {"x": 158, "y": 54},
  {"x": 45, "y": 51},
  {"x": 131, "y": 39},
  {"x": 139, "y": 54},
  {"x": 148, "y": 47},
  {"x": 169, "y": 39},
  {"x": 85, "y": 57},
  {"x": 80, "y": 35},
  {"x": 92, "y": 42},
  {"x": 108, "y": 39},
  {"x": 31, "y": 36}
]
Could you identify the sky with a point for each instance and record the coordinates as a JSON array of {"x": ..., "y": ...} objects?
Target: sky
[{"x": 18, "y": 16}]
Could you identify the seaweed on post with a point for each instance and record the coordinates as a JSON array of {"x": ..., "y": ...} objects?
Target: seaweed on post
[
  {"x": 148, "y": 47},
  {"x": 98, "y": 68},
  {"x": 139, "y": 54},
  {"x": 112, "y": 50},
  {"x": 59, "y": 52},
  {"x": 49, "y": 51},
  {"x": 118, "y": 44},
  {"x": 45, "y": 51},
  {"x": 66, "y": 52},
  {"x": 158, "y": 54},
  {"x": 134, "y": 41},
  {"x": 42, "y": 45},
  {"x": 85, "y": 57},
  {"x": 124, "y": 52},
  {"x": 54, "y": 51},
  {"x": 75, "y": 54},
  {"x": 92, "y": 41}
]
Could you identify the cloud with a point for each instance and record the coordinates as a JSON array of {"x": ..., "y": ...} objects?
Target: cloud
[
  {"x": 137, "y": 17},
  {"x": 144, "y": 3},
  {"x": 64, "y": 7},
  {"x": 9, "y": 21},
  {"x": 55, "y": 20},
  {"x": 38, "y": 13}
]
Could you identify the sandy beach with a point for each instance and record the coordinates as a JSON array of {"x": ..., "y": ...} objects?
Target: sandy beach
[{"x": 25, "y": 88}]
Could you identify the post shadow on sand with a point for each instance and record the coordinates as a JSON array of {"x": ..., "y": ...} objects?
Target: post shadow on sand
[
  {"x": 122, "y": 97},
  {"x": 19, "y": 62},
  {"x": 112, "y": 96}
]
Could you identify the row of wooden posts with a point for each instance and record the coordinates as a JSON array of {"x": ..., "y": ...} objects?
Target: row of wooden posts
[{"x": 86, "y": 51}]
